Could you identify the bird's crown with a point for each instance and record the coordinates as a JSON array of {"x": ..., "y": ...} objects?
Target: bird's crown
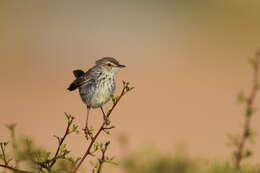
[{"x": 106, "y": 60}]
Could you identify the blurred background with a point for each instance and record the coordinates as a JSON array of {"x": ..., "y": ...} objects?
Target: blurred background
[{"x": 187, "y": 60}]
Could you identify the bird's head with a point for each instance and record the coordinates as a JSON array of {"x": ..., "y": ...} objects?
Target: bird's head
[{"x": 109, "y": 64}]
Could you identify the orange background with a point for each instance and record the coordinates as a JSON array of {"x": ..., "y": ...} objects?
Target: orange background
[{"x": 187, "y": 61}]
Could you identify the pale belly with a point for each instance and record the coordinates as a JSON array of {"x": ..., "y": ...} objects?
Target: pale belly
[
  {"x": 97, "y": 96},
  {"x": 101, "y": 97}
]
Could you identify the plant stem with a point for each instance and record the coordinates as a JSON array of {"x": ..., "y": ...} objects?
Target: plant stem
[
  {"x": 249, "y": 112},
  {"x": 102, "y": 127},
  {"x": 14, "y": 169}
]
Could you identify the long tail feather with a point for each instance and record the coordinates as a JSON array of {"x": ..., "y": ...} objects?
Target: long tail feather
[
  {"x": 78, "y": 73},
  {"x": 72, "y": 87}
]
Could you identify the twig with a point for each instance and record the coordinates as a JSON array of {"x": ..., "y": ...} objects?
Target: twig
[
  {"x": 70, "y": 121},
  {"x": 12, "y": 127},
  {"x": 48, "y": 164},
  {"x": 14, "y": 169},
  {"x": 102, "y": 127},
  {"x": 103, "y": 159},
  {"x": 3, "y": 152},
  {"x": 6, "y": 162},
  {"x": 249, "y": 111}
]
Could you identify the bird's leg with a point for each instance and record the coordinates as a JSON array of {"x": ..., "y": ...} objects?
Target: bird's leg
[
  {"x": 104, "y": 115},
  {"x": 86, "y": 129}
]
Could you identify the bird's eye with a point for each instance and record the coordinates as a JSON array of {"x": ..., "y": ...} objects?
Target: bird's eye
[{"x": 109, "y": 64}]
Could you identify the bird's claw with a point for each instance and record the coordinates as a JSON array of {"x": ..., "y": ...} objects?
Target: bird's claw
[{"x": 87, "y": 132}]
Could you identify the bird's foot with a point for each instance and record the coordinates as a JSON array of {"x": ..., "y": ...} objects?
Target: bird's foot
[{"x": 88, "y": 132}]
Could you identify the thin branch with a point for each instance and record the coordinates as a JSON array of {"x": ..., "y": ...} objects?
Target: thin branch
[
  {"x": 102, "y": 127},
  {"x": 54, "y": 159},
  {"x": 249, "y": 111},
  {"x": 108, "y": 128},
  {"x": 3, "y": 153},
  {"x": 103, "y": 159},
  {"x": 104, "y": 114},
  {"x": 48, "y": 164},
  {"x": 14, "y": 169},
  {"x": 6, "y": 162},
  {"x": 12, "y": 127}
]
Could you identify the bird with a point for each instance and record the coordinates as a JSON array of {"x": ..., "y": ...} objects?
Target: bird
[{"x": 97, "y": 85}]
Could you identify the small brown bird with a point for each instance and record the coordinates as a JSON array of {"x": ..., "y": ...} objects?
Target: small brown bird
[{"x": 97, "y": 85}]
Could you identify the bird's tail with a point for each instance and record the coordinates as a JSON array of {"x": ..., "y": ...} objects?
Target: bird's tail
[
  {"x": 77, "y": 74},
  {"x": 72, "y": 87}
]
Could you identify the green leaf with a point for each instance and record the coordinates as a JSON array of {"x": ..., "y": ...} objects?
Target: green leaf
[
  {"x": 252, "y": 136},
  {"x": 91, "y": 131},
  {"x": 63, "y": 148},
  {"x": 250, "y": 111},
  {"x": 241, "y": 98},
  {"x": 110, "y": 160},
  {"x": 45, "y": 155},
  {"x": 107, "y": 132},
  {"x": 74, "y": 129},
  {"x": 114, "y": 98},
  {"x": 98, "y": 146},
  {"x": 247, "y": 153},
  {"x": 126, "y": 87}
]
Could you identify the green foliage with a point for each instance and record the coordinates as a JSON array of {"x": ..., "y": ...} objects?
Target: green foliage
[
  {"x": 226, "y": 167},
  {"x": 39, "y": 160},
  {"x": 241, "y": 98},
  {"x": 111, "y": 160},
  {"x": 151, "y": 161},
  {"x": 114, "y": 98},
  {"x": 127, "y": 88},
  {"x": 97, "y": 146},
  {"x": 238, "y": 142}
]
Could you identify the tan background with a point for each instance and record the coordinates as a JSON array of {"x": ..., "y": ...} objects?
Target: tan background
[{"x": 186, "y": 59}]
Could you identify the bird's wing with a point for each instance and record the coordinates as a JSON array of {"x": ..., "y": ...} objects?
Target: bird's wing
[{"x": 82, "y": 79}]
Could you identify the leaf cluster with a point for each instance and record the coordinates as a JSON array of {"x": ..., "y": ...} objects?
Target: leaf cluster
[{"x": 38, "y": 160}]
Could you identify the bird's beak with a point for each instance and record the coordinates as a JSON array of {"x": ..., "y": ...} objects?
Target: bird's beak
[{"x": 121, "y": 66}]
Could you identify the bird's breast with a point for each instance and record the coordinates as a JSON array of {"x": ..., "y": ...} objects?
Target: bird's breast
[
  {"x": 97, "y": 92},
  {"x": 105, "y": 88}
]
